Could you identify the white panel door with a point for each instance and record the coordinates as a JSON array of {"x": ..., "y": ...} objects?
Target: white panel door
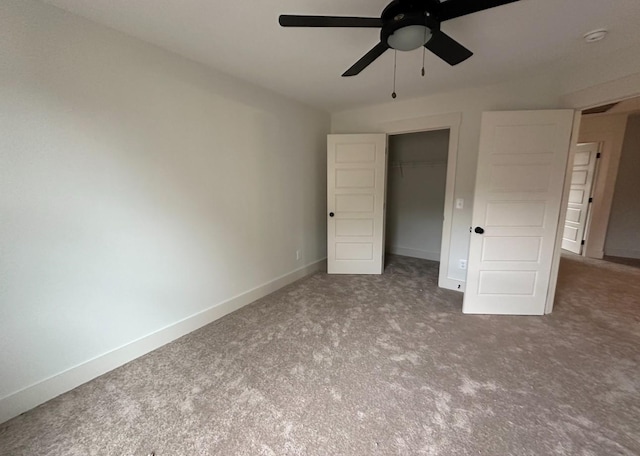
[
  {"x": 356, "y": 183},
  {"x": 519, "y": 182},
  {"x": 584, "y": 167}
]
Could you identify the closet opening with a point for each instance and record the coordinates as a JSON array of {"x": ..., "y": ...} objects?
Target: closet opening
[{"x": 416, "y": 185}]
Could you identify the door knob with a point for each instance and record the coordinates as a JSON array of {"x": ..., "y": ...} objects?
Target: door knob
[
  {"x": 479, "y": 230},
  {"x": 331, "y": 214}
]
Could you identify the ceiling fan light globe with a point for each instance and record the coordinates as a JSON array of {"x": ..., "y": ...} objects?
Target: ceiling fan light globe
[{"x": 409, "y": 38}]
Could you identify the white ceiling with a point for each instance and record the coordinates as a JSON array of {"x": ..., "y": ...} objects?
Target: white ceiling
[{"x": 243, "y": 38}]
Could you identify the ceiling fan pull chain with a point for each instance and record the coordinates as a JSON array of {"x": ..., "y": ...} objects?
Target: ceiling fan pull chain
[
  {"x": 424, "y": 50},
  {"x": 395, "y": 58}
]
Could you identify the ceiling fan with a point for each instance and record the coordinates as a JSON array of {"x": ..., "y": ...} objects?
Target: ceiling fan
[{"x": 405, "y": 25}]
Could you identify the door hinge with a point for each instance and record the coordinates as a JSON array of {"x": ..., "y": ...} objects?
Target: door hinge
[
  {"x": 591, "y": 200},
  {"x": 598, "y": 155},
  {"x": 582, "y": 243}
]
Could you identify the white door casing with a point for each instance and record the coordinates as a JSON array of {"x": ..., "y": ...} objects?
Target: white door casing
[
  {"x": 356, "y": 186},
  {"x": 584, "y": 166},
  {"x": 522, "y": 161}
]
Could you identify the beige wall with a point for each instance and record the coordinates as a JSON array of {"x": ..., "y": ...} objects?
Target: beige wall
[
  {"x": 138, "y": 191},
  {"x": 623, "y": 233}
]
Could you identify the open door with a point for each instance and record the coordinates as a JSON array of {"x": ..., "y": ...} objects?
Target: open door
[
  {"x": 356, "y": 181},
  {"x": 584, "y": 167},
  {"x": 521, "y": 169}
]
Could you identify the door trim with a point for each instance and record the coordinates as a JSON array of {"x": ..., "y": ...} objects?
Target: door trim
[
  {"x": 555, "y": 261},
  {"x": 452, "y": 123}
]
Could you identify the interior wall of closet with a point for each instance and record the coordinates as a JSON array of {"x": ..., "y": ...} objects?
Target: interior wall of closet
[{"x": 415, "y": 193}]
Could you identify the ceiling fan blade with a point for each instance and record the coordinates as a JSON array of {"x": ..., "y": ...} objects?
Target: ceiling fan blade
[
  {"x": 367, "y": 59},
  {"x": 287, "y": 20},
  {"x": 456, "y": 8},
  {"x": 447, "y": 48}
]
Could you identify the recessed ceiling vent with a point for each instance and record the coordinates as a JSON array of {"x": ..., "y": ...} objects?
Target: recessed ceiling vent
[{"x": 595, "y": 35}]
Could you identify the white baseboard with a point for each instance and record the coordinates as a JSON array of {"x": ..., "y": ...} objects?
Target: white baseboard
[
  {"x": 623, "y": 253},
  {"x": 414, "y": 253},
  {"x": 38, "y": 393},
  {"x": 598, "y": 254}
]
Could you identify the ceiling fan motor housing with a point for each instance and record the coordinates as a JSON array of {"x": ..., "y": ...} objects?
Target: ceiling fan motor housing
[{"x": 397, "y": 16}]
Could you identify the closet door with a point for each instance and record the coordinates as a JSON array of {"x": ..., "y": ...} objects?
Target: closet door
[{"x": 356, "y": 181}]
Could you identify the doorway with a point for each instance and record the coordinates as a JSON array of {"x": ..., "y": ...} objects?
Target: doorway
[
  {"x": 612, "y": 232},
  {"x": 416, "y": 190},
  {"x": 356, "y": 196},
  {"x": 449, "y": 276},
  {"x": 612, "y": 222}
]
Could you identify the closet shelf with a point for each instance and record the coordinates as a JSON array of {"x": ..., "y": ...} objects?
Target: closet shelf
[{"x": 415, "y": 164}]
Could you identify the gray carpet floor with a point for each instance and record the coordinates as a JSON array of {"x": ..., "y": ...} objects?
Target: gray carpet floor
[{"x": 372, "y": 365}]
